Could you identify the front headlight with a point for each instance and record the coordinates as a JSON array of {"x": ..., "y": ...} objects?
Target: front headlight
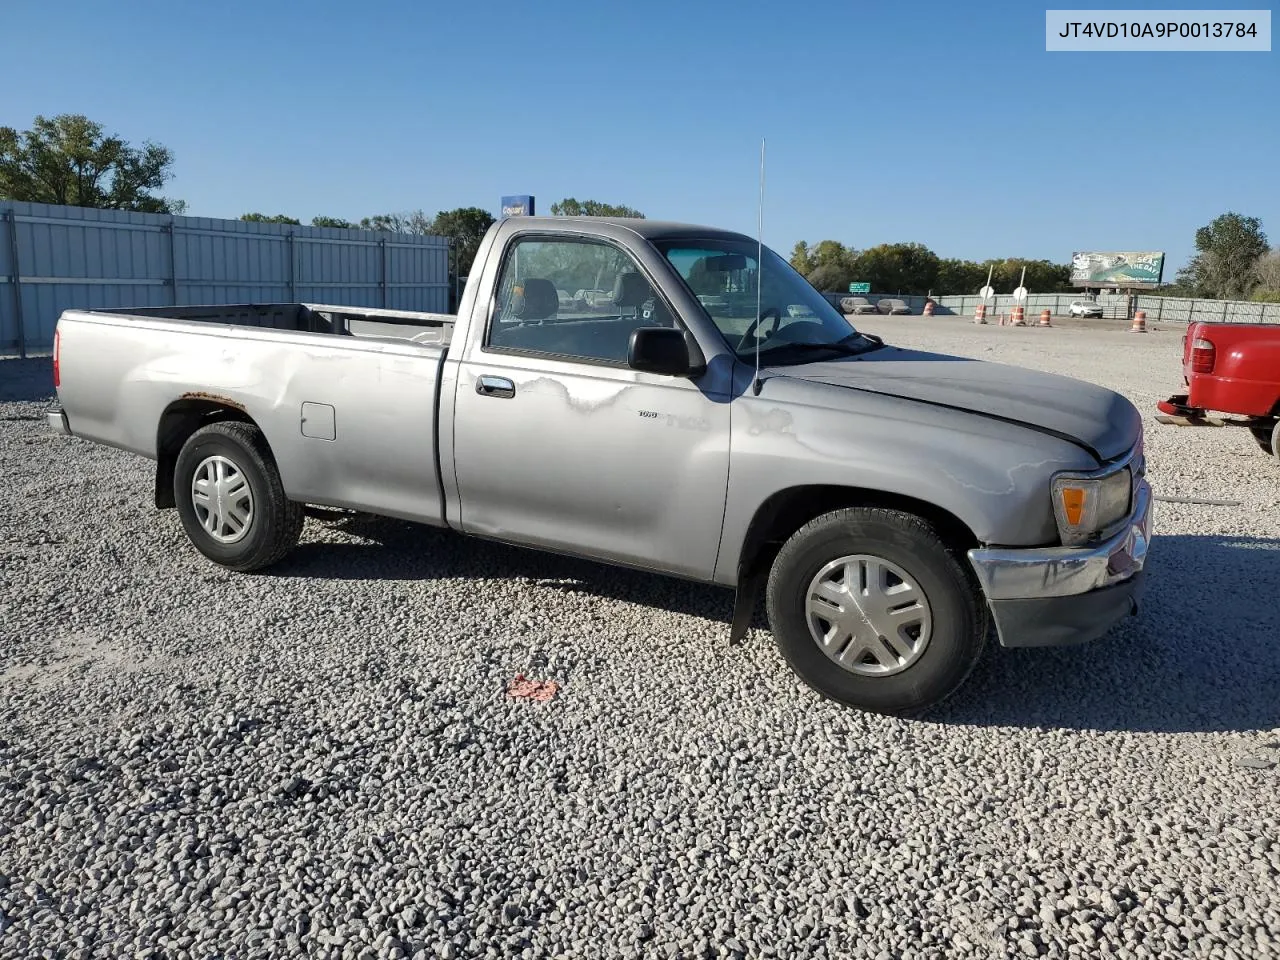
[{"x": 1085, "y": 506}]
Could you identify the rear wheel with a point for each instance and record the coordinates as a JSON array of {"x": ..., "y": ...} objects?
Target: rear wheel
[
  {"x": 871, "y": 608},
  {"x": 230, "y": 498},
  {"x": 1267, "y": 437}
]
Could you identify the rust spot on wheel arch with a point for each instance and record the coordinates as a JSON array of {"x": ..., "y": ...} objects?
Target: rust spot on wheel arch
[{"x": 213, "y": 398}]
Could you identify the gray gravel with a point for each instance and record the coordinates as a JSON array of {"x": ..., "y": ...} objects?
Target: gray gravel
[{"x": 321, "y": 761}]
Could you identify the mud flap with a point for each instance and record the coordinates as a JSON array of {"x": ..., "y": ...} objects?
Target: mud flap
[
  {"x": 1176, "y": 406},
  {"x": 745, "y": 596}
]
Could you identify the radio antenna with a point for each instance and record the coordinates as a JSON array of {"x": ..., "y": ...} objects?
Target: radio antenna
[{"x": 755, "y": 387}]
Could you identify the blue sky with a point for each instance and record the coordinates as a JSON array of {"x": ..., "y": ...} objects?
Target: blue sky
[{"x": 939, "y": 122}]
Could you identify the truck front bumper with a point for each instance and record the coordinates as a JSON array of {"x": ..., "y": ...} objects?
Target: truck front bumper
[
  {"x": 57, "y": 418},
  {"x": 1055, "y": 596}
]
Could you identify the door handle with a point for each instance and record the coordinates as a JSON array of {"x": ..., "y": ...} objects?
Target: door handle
[{"x": 490, "y": 386}]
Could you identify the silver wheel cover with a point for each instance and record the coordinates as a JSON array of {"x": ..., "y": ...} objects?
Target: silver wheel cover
[
  {"x": 222, "y": 499},
  {"x": 868, "y": 615}
]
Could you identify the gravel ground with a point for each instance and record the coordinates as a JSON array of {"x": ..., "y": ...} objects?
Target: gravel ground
[{"x": 321, "y": 761}]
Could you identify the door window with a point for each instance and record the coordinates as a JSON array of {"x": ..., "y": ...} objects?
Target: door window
[{"x": 573, "y": 298}]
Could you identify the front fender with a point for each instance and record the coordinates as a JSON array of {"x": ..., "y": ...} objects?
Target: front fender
[{"x": 990, "y": 475}]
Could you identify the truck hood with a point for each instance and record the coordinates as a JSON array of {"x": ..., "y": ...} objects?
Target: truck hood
[{"x": 1100, "y": 420}]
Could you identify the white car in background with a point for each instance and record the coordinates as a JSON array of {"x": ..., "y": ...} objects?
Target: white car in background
[{"x": 1085, "y": 308}]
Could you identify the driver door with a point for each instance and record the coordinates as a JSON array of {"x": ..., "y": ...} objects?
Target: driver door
[{"x": 559, "y": 444}]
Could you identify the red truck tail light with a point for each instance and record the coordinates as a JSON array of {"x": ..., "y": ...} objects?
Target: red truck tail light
[
  {"x": 1203, "y": 354},
  {"x": 57, "y": 349}
]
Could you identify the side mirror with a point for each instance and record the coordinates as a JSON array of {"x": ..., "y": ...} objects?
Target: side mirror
[{"x": 661, "y": 350}]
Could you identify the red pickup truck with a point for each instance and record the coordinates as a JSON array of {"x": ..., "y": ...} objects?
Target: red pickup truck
[{"x": 1231, "y": 368}]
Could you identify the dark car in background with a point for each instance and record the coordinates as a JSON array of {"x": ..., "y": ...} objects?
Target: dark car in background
[{"x": 857, "y": 305}]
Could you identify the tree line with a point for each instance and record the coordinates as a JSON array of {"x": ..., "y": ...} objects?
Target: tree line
[
  {"x": 71, "y": 160},
  {"x": 1233, "y": 261},
  {"x": 912, "y": 268}
]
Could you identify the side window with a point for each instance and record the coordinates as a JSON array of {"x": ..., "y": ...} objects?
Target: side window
[{"x": 573, "y": 298}]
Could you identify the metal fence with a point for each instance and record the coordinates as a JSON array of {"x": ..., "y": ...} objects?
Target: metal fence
[
  {"x": 54, "y": 258},
  {"x": 1183, "y": 310},
  {"x": 1116, "y": 307}
]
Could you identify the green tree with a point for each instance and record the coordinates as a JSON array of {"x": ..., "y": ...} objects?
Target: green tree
[
  {"x": 801, "y": 259},
  {"x": 465, "y": 227},
  {"x": 1045, "y": 276},
  {"x": 273, "y": 218},
  {"x": 829, "y": 265},
  {"x": 569, "y": 207},
  {"x": 1225, "y": 266},
  {"x": 959, "y": 277},
  {"x": 898, "y": 268},
  {"x": 832, "y": 277},
  {"x": 337, "y": 222},
  {"x": 1267, "y": 271},
  {"x": 68, "y": 160},
  {"x": 413, "y": 221},
  {"x": 833, "y": 253}
]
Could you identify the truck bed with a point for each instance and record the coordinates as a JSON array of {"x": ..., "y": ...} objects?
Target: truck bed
[
  {"x": 1229, "y": 367},
  {"x": 345, "y": 396},
  {"x": 369, "y": 323}
]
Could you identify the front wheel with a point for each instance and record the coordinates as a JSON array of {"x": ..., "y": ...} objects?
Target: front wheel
[
  {"x": 231, "y": 500},
  {"x": 871, "y": 608}
]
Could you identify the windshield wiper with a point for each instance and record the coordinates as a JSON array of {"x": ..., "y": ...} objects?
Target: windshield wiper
[{"x": 842, "y": 347}]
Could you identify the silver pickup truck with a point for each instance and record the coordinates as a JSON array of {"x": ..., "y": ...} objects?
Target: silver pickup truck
[{"x": 706, "y": 414}]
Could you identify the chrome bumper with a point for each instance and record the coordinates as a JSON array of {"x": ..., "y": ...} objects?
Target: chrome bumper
[
  {"x": 57, "y": 419},
  {"x": 1041, "y": 572}
]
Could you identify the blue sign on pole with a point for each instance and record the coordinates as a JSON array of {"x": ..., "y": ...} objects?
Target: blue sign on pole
[{"x": 520, "y": 205}]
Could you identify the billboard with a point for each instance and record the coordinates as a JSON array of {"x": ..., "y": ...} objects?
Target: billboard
[
  {"x": 1124, "y": 268},
  {"x": 520, "y": 205}
]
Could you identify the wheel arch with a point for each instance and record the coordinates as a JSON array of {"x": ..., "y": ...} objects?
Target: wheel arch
[
  {"x": 178, "y": 422},
  {"x": 787, "y": 510}
]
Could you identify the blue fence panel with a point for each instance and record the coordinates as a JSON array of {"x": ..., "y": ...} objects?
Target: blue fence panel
[{"x": 55, "y": 258}]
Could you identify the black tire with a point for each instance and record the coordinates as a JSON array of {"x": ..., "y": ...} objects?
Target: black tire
[
  {"x": 960, "y": 618},
  {"x": 1266, "y": 437},
  {"x": 275, "y": 522}
]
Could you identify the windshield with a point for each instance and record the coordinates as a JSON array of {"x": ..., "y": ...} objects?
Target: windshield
[{"x": 794, "y": 322}]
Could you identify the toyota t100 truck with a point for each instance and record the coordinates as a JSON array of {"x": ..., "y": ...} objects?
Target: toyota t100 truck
[{"x": 705, "y": 413}]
